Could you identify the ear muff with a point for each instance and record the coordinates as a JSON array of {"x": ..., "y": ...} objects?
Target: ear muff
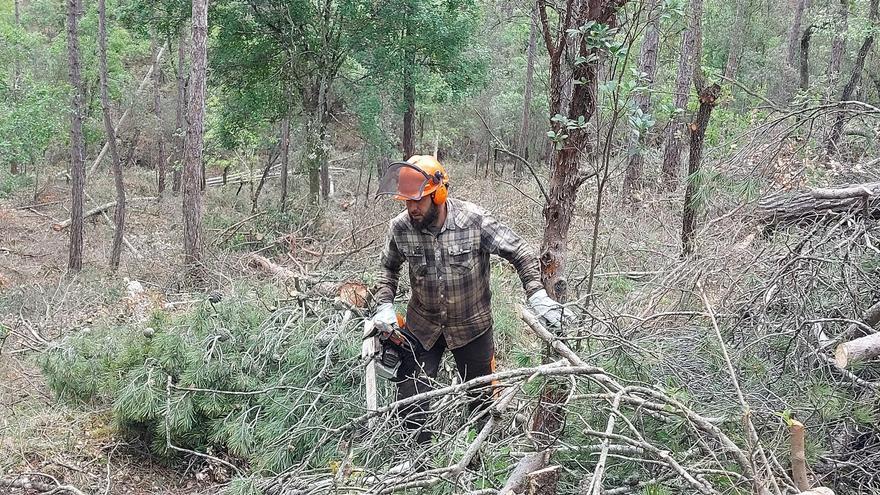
[
  {"x": 440, "y": 194},
  {"x": 442, "y": 190}
]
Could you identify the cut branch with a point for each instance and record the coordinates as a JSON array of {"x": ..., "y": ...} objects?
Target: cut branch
[{"x": 96, "y": 211}]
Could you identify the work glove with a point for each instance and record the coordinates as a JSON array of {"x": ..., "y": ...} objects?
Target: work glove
[
  {"x": 547, "y": 309},
  {"x": 385, "y": 315}
]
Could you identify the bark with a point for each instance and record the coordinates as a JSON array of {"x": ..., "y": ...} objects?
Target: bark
[
  {"x": 544, "y": 481},
  {"x": 285, "y": 154},
  {"x": 838, "y": 42},
  {"x": 794, "y": 207},
  {"x": 519, "y": 478},
  {"x": 854, "y": 351},
  {"x": 805, "y": 58},
  {"x": 523, "y": 142},
  {"x": 737, "y": 36},
  {"x": 633, "y": 179},
  {"x": 708, "y": 100},
  {"x": 157, "y": 111},
  {"x": 565, "y": 178},
  {"x": 180, "y": 132},
  {"x": 409, "y": 113},
  {"x": 794, "y": 32},
  {"x": 77, "y": 164},
  {"x": 688, "y": 62},
  {"x": 798, "y": 456},
  {"x": 854, "y": 80},
  {"x": 116, "y": 164},
  {"x": 192, "y": 173}
]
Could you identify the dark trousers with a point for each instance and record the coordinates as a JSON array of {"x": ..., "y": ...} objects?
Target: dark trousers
[{"x": 474, "y": 359}]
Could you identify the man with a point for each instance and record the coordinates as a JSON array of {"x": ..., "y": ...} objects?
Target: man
[{"x": 446, "y": 243}]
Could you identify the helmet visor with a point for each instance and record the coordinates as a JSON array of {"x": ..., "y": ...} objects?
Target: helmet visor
[{"x": 403, "y": 181}]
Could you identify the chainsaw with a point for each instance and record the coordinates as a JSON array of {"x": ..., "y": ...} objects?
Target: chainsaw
[{"x": 393, "y": 341}]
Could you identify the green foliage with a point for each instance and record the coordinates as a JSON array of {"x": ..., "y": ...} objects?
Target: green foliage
[{"x": 174, "y": 383}]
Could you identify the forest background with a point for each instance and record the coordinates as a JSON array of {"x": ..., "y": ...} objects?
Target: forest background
[{"x": 189, "y": 238}]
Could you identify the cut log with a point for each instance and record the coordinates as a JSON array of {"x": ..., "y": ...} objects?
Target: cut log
[
  {"x": 798, "y": 455},
  {"x": 94, "y": 211},
  {"x": 543, "y": 481},
  {"x": 860, "y": 349},
  {"x": 819, "y": 491},
  {"x": 792, "y": 207},
  {"x": 518, "y": 481}
]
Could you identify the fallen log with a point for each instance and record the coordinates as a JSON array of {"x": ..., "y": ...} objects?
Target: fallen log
[
  {"x": 95, "y": 211},
  {"x": 860, "y": 349},
  {"x": 792, "y": 207},
  {"x": 271, "y": 268}
]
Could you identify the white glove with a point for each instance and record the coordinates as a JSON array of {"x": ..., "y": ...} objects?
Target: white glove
[
  {"x": 385, "y": 314},
  {"x": 551, "y": 311}
]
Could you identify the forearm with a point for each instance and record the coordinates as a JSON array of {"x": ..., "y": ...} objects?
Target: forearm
[{"x": 386, "y": 287}]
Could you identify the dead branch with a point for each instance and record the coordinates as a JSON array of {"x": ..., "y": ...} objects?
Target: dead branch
[
  {"x": 95, "y": 211},
  {"x": 790, "y": 207},
  {"x": 27, "y": 482}
]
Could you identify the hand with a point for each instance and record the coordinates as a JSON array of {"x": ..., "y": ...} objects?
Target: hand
[
  {"x": 546, "y": 308},
  {"x": 385, "y": 315}
]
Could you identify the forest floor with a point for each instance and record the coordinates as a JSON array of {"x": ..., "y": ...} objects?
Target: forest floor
[{"x": 647, "y": 320}]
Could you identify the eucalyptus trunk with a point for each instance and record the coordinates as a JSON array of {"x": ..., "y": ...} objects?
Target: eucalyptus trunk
[
  {"x": 525, "y": 122},
  {"x": 736, "y": 38},
  {"x": 794, "y": 33},
  {"x": 838, "y": 43},
  {"x": 409, "y": 113}
]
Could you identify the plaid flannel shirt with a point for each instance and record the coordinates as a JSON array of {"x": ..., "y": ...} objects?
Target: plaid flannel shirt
[{"x": 449, "y": 272}]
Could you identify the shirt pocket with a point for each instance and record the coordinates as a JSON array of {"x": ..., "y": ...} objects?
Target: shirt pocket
[
  {"x": 415, "y": 256},
  {"x": 461, "y": 258}
]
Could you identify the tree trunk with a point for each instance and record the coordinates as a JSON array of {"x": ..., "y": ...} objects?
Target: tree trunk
[
  {"x": 737, "y": 36},
  {"x": 794, "y": 33},
  {"x": 409, "y": 114},
  {"x": 180, "y": 132},
  {"x": 116, "y": 165},
  {"x": 708, "y": 99},
  {"x": 321, "y": 147},
  {"x": 192, "y": 172},
  {"x": 285, "y": 150},
  {"x": 16, "y": 76},
  {"x": 854, "y": 80},
  {"x": 838, "y": 43},
  {"x": 157, "y": 111},
  {"x": 633, "y": 179},
  {"x": 523, "y": 142},
  {"x": 688, "y": 63},
  {"x": 77, "y": 164},
  {"x": 565, "y": 177},
  {"x": 805, "y": 59}
]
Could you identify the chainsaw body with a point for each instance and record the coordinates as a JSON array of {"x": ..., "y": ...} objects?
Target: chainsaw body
[{"x": 392, "y": 342}]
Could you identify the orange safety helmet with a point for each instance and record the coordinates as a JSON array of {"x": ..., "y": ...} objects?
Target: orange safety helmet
[{"x": 414, "y": 179}]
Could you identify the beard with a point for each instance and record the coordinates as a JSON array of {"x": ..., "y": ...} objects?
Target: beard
[{"x": 427, "y": 220}]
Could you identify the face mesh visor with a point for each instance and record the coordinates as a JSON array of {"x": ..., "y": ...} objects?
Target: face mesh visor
[{"x": 403, "y": 181}]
